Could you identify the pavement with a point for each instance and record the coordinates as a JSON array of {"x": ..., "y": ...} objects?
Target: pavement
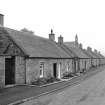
[{"x": 12, "y": 94}]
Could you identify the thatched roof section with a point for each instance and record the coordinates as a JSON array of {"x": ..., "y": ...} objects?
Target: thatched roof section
[
  {"x": 76, "y": 50},
  {"x": 36, "y": 46}
]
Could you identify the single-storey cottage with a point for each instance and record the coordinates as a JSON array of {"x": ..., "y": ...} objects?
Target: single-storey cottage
[
  {"x": 82, "y": 61},
  {"x": 24, "y": 56},
  {"x": 94, "y": 57}
]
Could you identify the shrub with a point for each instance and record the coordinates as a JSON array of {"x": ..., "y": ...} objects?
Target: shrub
[
  {"x": 42, "y": 81},
  {"x": 74, "y": 74},
  {"x": 93, "y": 65},
  {"x": 82, "y": 71},
  {"x": 52, "y": 79},
  {"x": 68, "y": 75},
  {"x": 39, "y": 81}
]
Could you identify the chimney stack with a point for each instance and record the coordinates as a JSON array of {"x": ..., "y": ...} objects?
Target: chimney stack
[
  {"x": 52, "y": 36},
  {"x": 89, "y": 48},
  {"x": 95, "y": 51},
  {"x": 1, "y": 19},
  {"x": 60, "y": 40},
  {"x": 80, "y": 46}
]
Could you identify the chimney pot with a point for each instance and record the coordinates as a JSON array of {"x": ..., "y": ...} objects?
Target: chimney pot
[
  {"x": 95, "y": 51},
  {"x": 1, "y": 19},
  {"x": 89, "y": 48},
  {"x": 80, "y": 46},
  {"x": 52, "y": 36},
  {"x": 60, "y": 39}
]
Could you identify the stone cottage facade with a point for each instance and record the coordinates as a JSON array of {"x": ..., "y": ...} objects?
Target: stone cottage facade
[
  {"x": 11, "y": 58},
  {"x": 82, "y": 60},
  {"x": 25, "y": 57}
]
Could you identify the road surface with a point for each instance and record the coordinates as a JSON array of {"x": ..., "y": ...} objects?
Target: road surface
[{"x": 88, "y": 92}]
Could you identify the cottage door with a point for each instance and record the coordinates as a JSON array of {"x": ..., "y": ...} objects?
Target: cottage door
[
  {"x": 55, "y": 70},
  {"x": 74, "y": 64},
  {"x": 59, "y": 70},
  {"x": 9, "y": 70},
  {"x": 85, "y": 65}
]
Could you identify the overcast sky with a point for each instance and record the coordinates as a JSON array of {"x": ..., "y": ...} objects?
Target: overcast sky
[{"x": 65, "y": 17}]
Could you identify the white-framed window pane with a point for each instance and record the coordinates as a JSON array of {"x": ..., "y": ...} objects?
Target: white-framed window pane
[
  {"x": 41, "y": 69},
  {"x": 67, "y": 67},
  {"x": 59, "y": 71}
]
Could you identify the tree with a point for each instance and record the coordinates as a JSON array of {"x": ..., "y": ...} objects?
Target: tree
[{"x": 27, "y": 31}]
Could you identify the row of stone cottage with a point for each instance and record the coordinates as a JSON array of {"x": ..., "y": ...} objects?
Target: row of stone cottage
[{"x": 25, "y": 56}]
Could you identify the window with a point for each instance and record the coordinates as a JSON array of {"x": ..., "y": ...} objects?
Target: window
[
  {"x": 68, "y": 67},
  {"x": 59, "y": 71},
  {"x": 41, "y": 69}
]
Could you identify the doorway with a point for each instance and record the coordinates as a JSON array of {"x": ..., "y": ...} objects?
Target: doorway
[
  {"x": 9, "y": 70},
  {"x": 55, "y": 70},
  {"x": 85, "y": 65},
  {"x": 59, "y": 71}
]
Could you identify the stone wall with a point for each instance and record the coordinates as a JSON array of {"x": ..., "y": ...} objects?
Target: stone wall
[
  {"x": 88, "y": 64},
  {"x": 20, "y": 72},
  {"x": 102, "y": 61},
  {"x": 2, "y": 72},
  {"x": 33, "y": 67},
  {"x": 77, "y": 65},
  {"x": 95, "y": 62},
  {"x": 85, "y": 64},
  {"x": 82, "y": 64}
]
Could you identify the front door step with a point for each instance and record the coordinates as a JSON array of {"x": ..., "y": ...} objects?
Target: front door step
[{"x": 8, "y": 86}]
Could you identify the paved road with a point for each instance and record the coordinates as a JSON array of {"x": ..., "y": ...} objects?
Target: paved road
[
  {"x": 20, "y": 92},
  {"x": 88, "y": 92}
]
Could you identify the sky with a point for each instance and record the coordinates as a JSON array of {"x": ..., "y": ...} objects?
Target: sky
[{"x": 86, "y": 18}]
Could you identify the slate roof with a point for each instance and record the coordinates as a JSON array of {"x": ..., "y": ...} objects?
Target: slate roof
[
  {"x": 76, "y": 50},
  {"x": 67, "y": 50},
  {"x": 36, "y": 46},
  {"x": 98, "y": 56},
  {"x": 92, "y": 54},
  {"x": 101, "y": 56},
  {"x": 85, "y": 51}
]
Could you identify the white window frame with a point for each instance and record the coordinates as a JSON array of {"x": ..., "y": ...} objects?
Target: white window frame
[
  {"x": 68, "y": 67},
  {"x": 59, "y": 70},
  {"x": 41, "y": 70}
]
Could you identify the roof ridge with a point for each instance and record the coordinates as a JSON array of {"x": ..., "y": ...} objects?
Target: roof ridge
[
  {"x": 25, "y": 33},
  {"x": 70, "y": 50}
]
